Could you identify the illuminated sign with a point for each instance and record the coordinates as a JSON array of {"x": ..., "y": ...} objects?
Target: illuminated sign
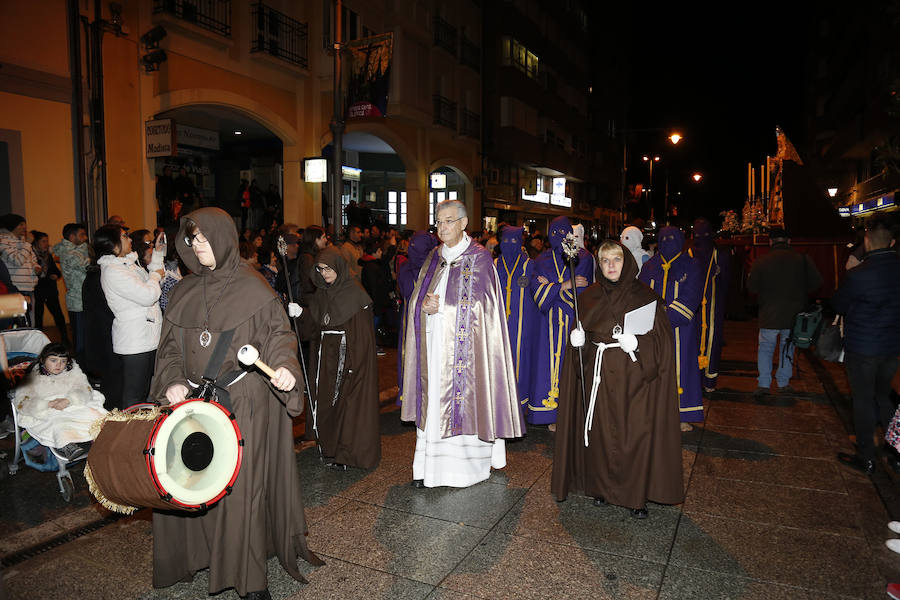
[
  {"x": 868, "y": 206},
  {"x": 558, "y": 197},
  {"x": 315, "y": 170},
  {"x": 438, "y": 181},
  {"x": 351, "y": 173}
]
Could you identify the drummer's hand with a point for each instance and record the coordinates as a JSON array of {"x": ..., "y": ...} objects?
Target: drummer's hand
[
  {"x": 284, "y": 380},
  {"x": 176, "y": 393}
]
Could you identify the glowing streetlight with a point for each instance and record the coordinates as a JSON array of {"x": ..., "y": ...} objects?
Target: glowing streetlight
[
  {"x": 697, "y": 177},
  {"x": 675, "y": 138},
  {"x": 832, "y": 191}
]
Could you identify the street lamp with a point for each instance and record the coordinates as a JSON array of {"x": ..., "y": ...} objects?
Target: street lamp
[
  {"x": 650, "y": 160},
  {"x": 675, "y": 138},
  {"x": 832, "y": 191},
  {"x": 697, "y": 177}
]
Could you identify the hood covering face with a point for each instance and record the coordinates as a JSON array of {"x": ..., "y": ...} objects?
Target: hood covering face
[
  {"x": 671, "y": 241},
  {"x": 703, "y": 237},
  {"x": 627, "y": 278},
  {"x": 560, "y": 227},
  {"x": 334, "y": 304},
  {"x": 578, "y": 231},
  {"x": 511, "y": 242},
  {"x": 420, "y": 244},
  {"x": 631, "y": 238},
  {"x": 229, "y": 294}
]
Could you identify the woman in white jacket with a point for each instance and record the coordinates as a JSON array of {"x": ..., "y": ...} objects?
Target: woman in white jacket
[{"x": 132, "y": 294}]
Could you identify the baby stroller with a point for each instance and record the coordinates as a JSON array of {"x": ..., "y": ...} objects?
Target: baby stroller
[{"x": 22, "y": 348}]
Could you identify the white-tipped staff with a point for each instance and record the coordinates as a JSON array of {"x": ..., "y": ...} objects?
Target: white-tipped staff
[{"x": 248, "y": 355}]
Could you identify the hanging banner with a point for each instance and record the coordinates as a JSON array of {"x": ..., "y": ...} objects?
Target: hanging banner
[{"x": 370, "y": 76}]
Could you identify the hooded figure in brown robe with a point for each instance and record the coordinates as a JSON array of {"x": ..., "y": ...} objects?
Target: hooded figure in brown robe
[
  {"x": 343, "y": 365},
  {"x": 631, "y": 451},
  {"x": 263, "y": 515}
]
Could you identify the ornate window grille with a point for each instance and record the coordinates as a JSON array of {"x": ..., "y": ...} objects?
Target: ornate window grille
[
  {"x": 470, "y": 124},
  {"x": 279, "y": 35},
  {"x": 445, "y": 35},
  {"x": 212, "y": 15},
  {"x": 444, "y": 112}
]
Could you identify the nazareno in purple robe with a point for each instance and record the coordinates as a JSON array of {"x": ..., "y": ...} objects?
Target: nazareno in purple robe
[
  {"x": 515, "y": 270},
  {"x": 479, "y": 385},
  {"x": 420, "y": 244},
  {"x": 714, "y": 265},
  {"x": 675, "y": 276},
  {"x": 557, "y": 318}
]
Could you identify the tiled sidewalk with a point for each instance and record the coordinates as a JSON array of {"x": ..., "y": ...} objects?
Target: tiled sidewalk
[{"x": 769, "y": 513}]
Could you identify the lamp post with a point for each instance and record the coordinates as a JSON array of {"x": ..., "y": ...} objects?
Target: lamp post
[
  {"x": 648, "y": 159},
  {"x": 674, "y": 138}
]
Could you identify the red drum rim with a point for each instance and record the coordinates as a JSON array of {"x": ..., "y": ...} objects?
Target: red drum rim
[{"x": 150, "y": 455}]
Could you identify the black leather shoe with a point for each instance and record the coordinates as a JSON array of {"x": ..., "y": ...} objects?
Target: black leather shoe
[
  {"x": 599, "y": 501},
  {"x": 263, "y": 595},
  {"x": 418, "y": 483},
  {"x": 855, "y": 461},
  {"x": 639, "y": 513}
]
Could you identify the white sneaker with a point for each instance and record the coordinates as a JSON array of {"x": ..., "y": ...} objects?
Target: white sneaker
[
  {"x": 893, "y": 545},
  {"x": 894, "y": 526}
]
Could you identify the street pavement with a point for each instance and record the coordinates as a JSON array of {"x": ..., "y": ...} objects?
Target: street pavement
[{"x": 769, "y": 514}]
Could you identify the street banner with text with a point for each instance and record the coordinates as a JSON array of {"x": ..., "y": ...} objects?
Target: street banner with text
[{"x": 370, "y": 71}]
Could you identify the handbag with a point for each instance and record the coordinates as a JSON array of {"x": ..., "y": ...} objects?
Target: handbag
[
  {"x": 830, "y": 343},
  {"x": 892, "y": 435}
]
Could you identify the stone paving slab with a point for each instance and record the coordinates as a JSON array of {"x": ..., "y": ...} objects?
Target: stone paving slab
[
  {"x": 505, "y": 566},
  {"x": 680, "y": 583},
  {"x": 821, "y": 474},
  {"x": 744, "y": 439},
  {"x": 770, "y": 553}
]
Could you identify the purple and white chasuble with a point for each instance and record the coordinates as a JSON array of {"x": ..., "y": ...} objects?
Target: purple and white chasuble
[{"x": 458, "y": 378}]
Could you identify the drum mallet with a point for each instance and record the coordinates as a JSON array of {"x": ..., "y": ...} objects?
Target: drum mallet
[{"x": 248, "y": 355}]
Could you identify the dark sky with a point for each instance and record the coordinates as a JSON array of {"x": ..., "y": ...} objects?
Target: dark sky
[{"x": 725, "y": 79}]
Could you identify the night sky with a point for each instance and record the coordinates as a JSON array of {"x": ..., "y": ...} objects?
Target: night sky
[{"x": 725, "y": 80}]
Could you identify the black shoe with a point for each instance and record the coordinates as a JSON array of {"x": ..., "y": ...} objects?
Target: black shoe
[
  {"x": 418, "y": 483},
  {"x": 263, "y": 595},
  {"x": 336, "y": 466},
  {"x": 599, "y": 501},
  {"x": 760, "y": 392},
  {"x": 639, "y": 513},
  {"x": 855, "y": 461}
]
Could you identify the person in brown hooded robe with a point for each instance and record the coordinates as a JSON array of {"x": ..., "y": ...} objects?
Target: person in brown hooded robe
[
  {"x": 343, "y": 365},
  {"x": 263, "y": 515},
  {"x": 630, "y": 452}
]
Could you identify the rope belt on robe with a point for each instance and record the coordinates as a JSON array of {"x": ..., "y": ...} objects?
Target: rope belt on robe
[
  {"x": 342, "y": 354},
  {"x": 595, "y": 385}
]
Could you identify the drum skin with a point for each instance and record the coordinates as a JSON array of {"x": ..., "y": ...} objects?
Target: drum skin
[{"x": 121, "y": 460}]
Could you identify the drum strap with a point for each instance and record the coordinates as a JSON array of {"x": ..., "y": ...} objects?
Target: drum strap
[{"x": 213, "y": 383}]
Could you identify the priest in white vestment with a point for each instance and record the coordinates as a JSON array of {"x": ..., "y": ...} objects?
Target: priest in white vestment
[{"x": 458, "y": 377}]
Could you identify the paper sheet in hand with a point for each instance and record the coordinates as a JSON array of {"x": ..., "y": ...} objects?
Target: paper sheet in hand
[{"x": 640, "y": 320}]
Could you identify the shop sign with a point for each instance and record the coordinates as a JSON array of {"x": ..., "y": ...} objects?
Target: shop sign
[
  {"x": 350, "y": 173},
  {"x": 438, "y": 181},
  {"x": 315, "y": 170},
  {"x": 160, "y": 136},
  {"x": 199, "y": 138}
]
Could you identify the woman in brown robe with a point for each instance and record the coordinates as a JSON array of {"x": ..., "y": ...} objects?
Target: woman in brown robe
[
  {"x": 263, "y": 515},
  {"x": 343, "y": 366},
  {"x": 631, "y": 450}
]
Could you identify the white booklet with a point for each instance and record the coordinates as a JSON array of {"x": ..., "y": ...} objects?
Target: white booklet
[{"x": 640, "y": 320}]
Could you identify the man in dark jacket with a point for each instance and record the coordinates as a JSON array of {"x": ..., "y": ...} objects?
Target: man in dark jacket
[
  {"x": 783, "y": 279},
  {"x": 868, "y": 297}
]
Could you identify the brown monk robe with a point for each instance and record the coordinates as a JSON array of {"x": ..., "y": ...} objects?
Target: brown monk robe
[
  {"x": 634, "y": 443},
  {"x": 343, "y": 365},
  {"x": 263, "y": 516}
]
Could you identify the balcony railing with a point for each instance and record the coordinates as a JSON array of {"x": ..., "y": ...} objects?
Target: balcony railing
[
  {"x": 279, "y": 35},
  {"x": 212, "y": 15},
  {"x": 470, "y": 54},
  {"x": 470, "y": 124},
  {"x": 444, "y": 112},
  {"x": 445, "y": 35}
]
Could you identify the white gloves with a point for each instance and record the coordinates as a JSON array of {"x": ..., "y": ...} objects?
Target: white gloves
[
  {"x": 576, "y": 336},
  {"x": 628, "y": 343},
  {"x": 294, "y": 310}
]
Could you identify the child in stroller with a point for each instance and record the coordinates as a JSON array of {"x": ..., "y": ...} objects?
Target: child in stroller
[{"x": 55, "y": 403}]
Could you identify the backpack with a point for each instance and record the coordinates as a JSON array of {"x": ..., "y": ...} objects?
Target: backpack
[{"x": 807, "y": 325}]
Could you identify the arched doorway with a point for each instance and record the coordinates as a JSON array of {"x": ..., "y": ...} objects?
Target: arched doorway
[
  {"x": 447, "y": 181},
  {"x": 223, "y": 158}
]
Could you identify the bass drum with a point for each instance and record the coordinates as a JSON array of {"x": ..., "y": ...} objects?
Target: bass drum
[{"x": 183, "y": 457}]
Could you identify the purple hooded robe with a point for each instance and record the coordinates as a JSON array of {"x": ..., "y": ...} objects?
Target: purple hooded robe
[
  {"x": 557, "y": 317},
  {"x": 676, "y": 277},
  {"x": 515, "y": 270},
  {"x": 714, "y": 268},
  {"x": 420, "y": 244},
  {"x": 478, "y": 388}
]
